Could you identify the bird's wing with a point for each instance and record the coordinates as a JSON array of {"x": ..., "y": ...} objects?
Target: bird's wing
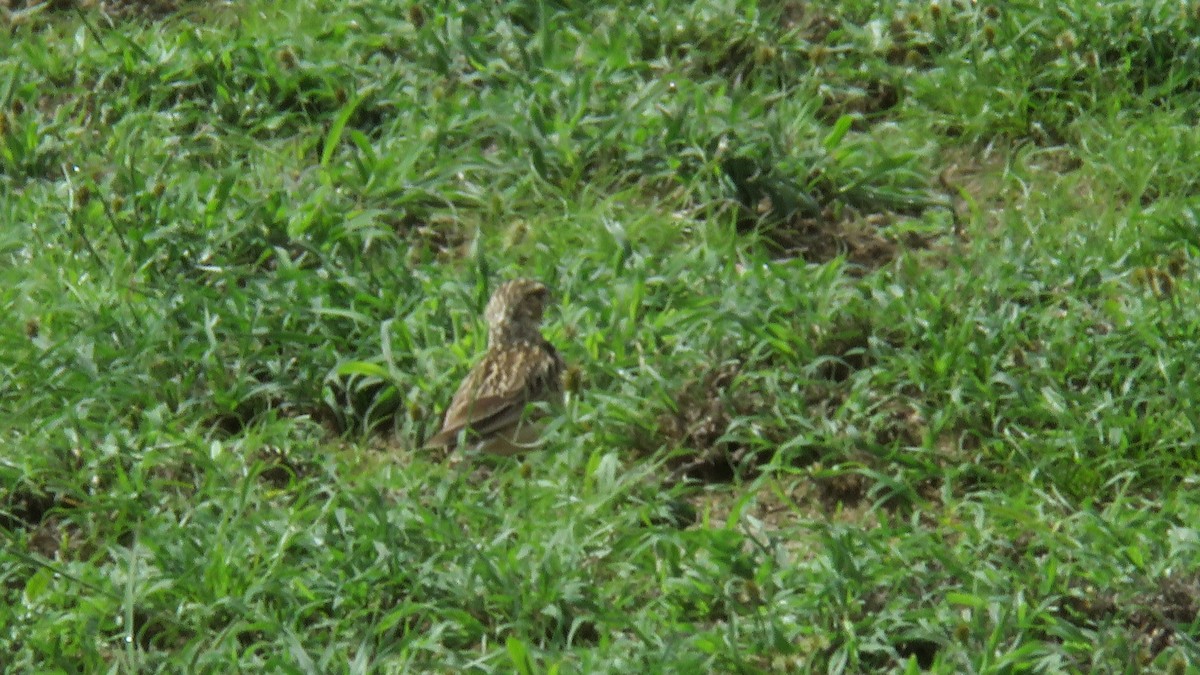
[{"x": 494, "y": 393}]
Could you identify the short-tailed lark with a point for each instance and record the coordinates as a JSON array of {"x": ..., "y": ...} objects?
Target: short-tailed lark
[{"x": 519, "y": 368}]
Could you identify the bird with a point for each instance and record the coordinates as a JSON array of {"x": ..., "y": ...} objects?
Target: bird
[{"x": 520, "y": 367}]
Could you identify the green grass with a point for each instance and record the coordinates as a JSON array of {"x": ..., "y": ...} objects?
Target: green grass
[{"x": 907, "y": 292}]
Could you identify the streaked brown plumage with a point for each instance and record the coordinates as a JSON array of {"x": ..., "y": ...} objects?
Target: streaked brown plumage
[{"x": 520, "y": 367}]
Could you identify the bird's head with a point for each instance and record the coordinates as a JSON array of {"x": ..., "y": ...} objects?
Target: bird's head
[{"x": 515, "y": 311}]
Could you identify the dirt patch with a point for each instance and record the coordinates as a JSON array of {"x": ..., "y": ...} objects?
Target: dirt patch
[
  {"x": 1157, "y": 614},
  {"x": 279, "y": 468},
  {"x": 806, "y": 20},
  {"x": 705, "y": 408},
  {"x": 705, "y": 423},
  {"x": 718, "y": 434},
  {"x": 25, "y": 508},
  {"x": 979, "y": 179},
  {"x": 816, "y": 219},
  {"x": 864, "y": 102},
  {"x": 777, "y": 504},
  {"x": 45, "y": 517},
  {"x": 1153, "y": 616},
  {"x": 862, "y": 238},
  {"x": 837, "y": 488},
  {"x": 974, "y": 173},
  {"x": 57, "y": 538}
]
